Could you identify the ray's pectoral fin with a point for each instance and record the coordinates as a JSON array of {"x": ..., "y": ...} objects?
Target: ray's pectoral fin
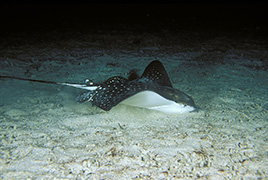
[
  {"x": 108, "y": 94},
  {"x": 157, "y": 73}
]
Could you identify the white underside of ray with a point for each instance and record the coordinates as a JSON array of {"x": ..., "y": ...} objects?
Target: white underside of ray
[{"x": 152, "y": 100}]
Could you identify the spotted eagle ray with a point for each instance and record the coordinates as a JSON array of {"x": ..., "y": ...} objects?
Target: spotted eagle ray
[{"x": 152, "y": 90}]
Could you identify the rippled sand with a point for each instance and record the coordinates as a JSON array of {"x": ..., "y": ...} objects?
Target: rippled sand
[{"x": 45, "y": 134}]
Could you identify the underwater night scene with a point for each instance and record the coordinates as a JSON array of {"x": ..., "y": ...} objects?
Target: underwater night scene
[{"x": 134, "y": 91}]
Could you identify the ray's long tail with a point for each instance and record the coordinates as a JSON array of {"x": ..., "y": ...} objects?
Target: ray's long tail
[{"x": 80, "y": 86}]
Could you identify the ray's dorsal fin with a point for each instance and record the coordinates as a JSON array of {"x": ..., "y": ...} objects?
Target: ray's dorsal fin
[
  {"x": 156, "y": 72},
  {"x": 132, "y": 75}
]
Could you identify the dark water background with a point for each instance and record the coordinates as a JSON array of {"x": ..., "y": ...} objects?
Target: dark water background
[{"x": 150, "y": 17}]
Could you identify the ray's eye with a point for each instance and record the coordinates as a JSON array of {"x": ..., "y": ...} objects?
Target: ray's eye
[{"x": 88, "y": 82}]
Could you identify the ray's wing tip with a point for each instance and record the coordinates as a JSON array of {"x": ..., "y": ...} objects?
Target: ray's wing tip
[
  {"x": 157, "y": 73},
  {"x": 156, "y": 61}
]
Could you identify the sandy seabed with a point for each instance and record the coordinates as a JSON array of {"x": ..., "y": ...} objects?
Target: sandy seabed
[{"x": 45, "y": 134}]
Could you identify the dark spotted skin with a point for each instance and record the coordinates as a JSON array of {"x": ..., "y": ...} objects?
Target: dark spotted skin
[
  {"x": 113, "y": 91},
  {"x": 116, "y": 89}
]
